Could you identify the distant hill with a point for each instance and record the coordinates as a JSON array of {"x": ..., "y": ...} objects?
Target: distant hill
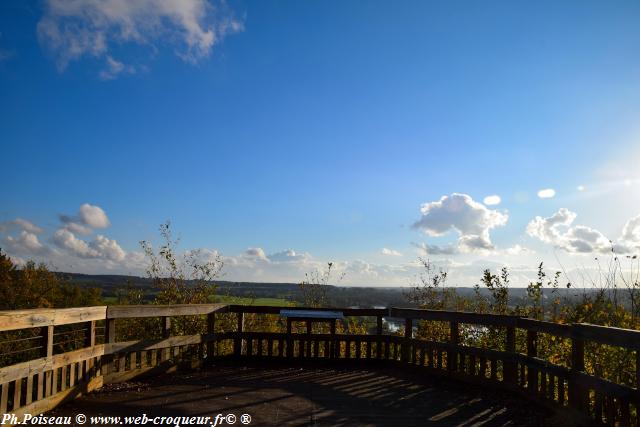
[{"x": 339, "y": 296}]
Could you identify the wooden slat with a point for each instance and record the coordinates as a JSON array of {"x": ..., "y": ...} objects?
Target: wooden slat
[
  {"x": 40, "y": 317},
  {"x": 4, "y": 398},
  {"x": 454, "y": 316},
  {"x": 264, "y": 309},
  {"x": 17, "y": 394},
  {"x": 152, "y": 310}
]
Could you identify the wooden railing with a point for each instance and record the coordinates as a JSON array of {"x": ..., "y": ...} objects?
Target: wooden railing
[{"x": 514, "y": 363}]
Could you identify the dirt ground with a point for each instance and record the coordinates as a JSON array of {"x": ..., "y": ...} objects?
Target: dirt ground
[{"x": 309, "y": 396}]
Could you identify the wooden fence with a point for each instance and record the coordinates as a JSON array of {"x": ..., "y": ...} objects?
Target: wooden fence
[{"x": 41, "y": 383}]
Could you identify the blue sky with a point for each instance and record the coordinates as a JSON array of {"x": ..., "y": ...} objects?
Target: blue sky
[{"x": 320, "y": 128}]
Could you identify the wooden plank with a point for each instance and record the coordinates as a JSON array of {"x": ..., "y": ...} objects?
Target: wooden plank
[
  {"x": 532, "y": 351},
  {"x": 576, "y": 391},
  {"x": 237, "y": 346},
  {"x": 626, "y": 338},
  {"x": 452, "y": 355},
  {"x": 40, "y": 386},
  {"x": 557, "y": 329},
  {"x": 408, "y": 334},
  {"x": 263, "y": 309},
  {"x": 29, "y": 393},
  {"x": 17, "y": 394},
  {"x": 63, "y": 378},
  {"x": 4, "y": 398},
  {"x": 454, "y": 316},
  {"x": 40, "y": 317},
  {"x": 54, "y": 381},
  {"x": 152, "y": 310},
  {"x": 211, "y": 329},
  {"x": 51, "y": 402},
  {"x": 510, "y": 368}
]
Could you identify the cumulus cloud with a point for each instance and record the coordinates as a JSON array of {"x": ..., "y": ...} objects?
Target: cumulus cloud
[
  {"x": 427, "y": 249},
  {"x": 390, "y": 252},
  {"x": 72, "y": 29},
  {"x": 559, "y": 231},
  {"x": 289, "y": 256},
  {"x": 518, "y": 250},
  {"x": 100, "y": 247},
  {"x": 88, "y": 218},
  {"x": 25, "y": 243},
  {"x": 494, "y": 199},
  {"x": 459, "y": 212},
  {"x": 115, "y": 68},
  {"x": 94, "y": 216},
  {"x": 257, "y": 253},
  {"x": 20, "y": 224},
  {"x": 547, "y": 193}
]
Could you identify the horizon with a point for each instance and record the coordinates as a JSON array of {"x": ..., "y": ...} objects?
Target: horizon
[{"x": 283, "y": 136}]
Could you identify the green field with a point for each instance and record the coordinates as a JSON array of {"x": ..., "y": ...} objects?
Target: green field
[{"x": 252, "y": 301}]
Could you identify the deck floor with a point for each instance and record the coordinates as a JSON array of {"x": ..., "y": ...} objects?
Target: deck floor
[{"x": 310, "y": 396}]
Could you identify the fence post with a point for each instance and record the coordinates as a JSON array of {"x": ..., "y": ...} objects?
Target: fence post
[
  {"x": 335, "y": 346},
  {"x": 576, "y": 392},
  {"x": 379, "y": 338},
  {"x": 44, "y": 387},
  {"x": 109, "y": 338},
  {"x": 238, "y": 341},
  {"x": 532, "y": 351},
  {"x": 90, "y": 341},
  {"x": 211, "y": 330},
  {"x": 289, "y": 339},
  {"x": 165, "y": 324},
  {"x": 452, "y": 354},
  {"x": 510, "y": 367},
  {"x": 408, "y": 333}
]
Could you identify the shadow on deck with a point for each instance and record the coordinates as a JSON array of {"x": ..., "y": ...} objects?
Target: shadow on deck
[{"x": 278, "y": 395}]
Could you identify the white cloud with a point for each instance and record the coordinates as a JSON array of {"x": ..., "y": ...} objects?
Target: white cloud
[
  {"x": 257, "y": 253},
  {"x": 559, "y": 231},
  {"x": 88, "y": 218},
  {"x": 72, "y": 29},
  {"x": 20, "y": 224},
  {"x": 518, "y": 250},
  {"x": 94, "y": 216},
  {"x": 390, "y": 252},
  {"x": 631, "y": 230},
  {"x": 492, "y": 200},
  {"x": 547, "y": 193},
  {"x": 25, "y": 243},
  {"x": 108, "y": 248},
  {"x": 427, "y": 249},
  {"x": 289, "y": 256},
  {"x": 65, "y": 239},
  {"x": 459, "y": 212},
  {"x": 115, "y": 68},
  {"x": 100, "y": 247}
]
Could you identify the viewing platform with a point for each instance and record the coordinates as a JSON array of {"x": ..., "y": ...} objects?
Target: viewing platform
[{"x": 291, "y": 370}]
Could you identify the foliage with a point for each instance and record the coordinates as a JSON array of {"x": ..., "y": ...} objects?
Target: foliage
[
  {"x": 185, "y": 281},
  {"x": 35, "y": 286},
  {"x": 314, "y": 287}
]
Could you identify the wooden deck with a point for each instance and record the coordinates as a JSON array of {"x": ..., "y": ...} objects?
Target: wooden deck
[
  {"x": 65, "y": 353},
  {"x": 311, "y": 396}
]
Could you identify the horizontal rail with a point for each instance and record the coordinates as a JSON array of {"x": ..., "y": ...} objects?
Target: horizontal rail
[
  {"x": 267, "y": 309},
  {"x": 505, "y": 364},
  {"x": 152, "y": 310},
  {"x": 35, "y": 318}
]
